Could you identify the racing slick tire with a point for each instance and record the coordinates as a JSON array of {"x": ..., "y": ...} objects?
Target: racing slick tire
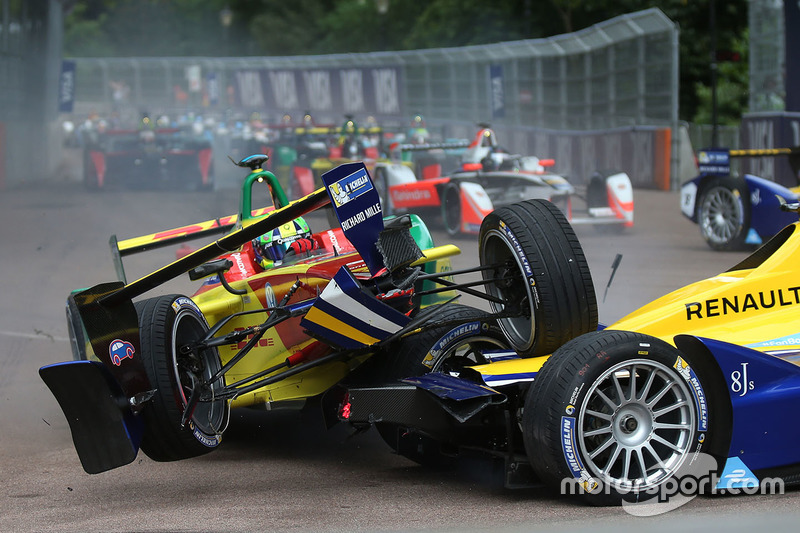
[
  {"x": 723, "y": 214},
  {"x": 381, "y": 182},
  {"x": 540, "y": 275},
  {"x": 166, "y": 324},
  {"x": 448, "y": 343},
  {"x": 618, "y": 417},
  {"x": 451, "y": 208}
]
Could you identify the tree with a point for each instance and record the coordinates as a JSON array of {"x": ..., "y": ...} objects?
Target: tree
[{"x": 301, "y": 27}]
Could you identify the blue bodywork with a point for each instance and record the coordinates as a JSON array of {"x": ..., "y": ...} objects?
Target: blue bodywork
[
  {"x": 761, "y": 388},
  {"x": 766, "y": 218},
  {"x": 760, "y": 198}
]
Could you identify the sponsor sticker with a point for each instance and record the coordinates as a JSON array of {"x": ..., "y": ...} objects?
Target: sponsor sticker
[
  {"x": 269, "y": 294},
  {"x": 685, "y": 370},
  {"x": 574, "y": 462},
  {"x": 119, "y": 350},
  {"x": 452, "y": 335},
  {"x": 526, "y": 267},
  {"x": 350, "y": 187}
]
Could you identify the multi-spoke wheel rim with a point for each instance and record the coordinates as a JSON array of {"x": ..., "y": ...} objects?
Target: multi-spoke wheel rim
[
  {"x": 636, "y": 424},
  {"x": 510, "y": 287},
  {"x": 721, "y": 215}
]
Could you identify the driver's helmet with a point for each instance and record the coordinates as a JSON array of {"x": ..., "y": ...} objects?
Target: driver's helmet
[{"x": 271, "y": 247}]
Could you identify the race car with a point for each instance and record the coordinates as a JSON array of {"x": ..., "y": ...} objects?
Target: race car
[
  {"x": 737, "y": 212},
  {"x": 147, "y": 157},
  {"x": 347, "y": 143},
  {"x": 684, "y": 396},
  {"x": 490, "y": 177},
  {"x": 287, "y": 142},
  {"x": 286, "y": 317}
]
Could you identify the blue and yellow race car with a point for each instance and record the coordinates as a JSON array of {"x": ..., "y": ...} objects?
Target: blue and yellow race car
[
  {"x": 736, "y": 212},
  {"x": 685, "y": 396}
]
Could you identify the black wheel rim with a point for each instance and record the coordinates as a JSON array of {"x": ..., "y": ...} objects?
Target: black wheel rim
[
  {"x": 192, "y": 369},
  {"x": 511, "y": 287},
  {"x": 466, "y": 353}
]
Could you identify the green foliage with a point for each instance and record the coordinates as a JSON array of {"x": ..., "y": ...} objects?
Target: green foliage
[
  {"x": 84, "y": 32},
  {"x": 301, "y": 27},
  {"x": 732, "y": 94}
]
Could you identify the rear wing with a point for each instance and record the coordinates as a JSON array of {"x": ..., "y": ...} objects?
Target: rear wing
[
  {"x": 399, "y": 148},
  {"x": 135, "y": 245}
]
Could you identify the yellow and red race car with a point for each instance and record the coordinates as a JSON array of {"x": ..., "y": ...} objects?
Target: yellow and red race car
[
  {"x": 289, "y": 317},
  {"x": 345, "y": 144}
]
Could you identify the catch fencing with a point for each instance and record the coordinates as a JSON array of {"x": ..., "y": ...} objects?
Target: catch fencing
[{"x": 603, "y": 97}]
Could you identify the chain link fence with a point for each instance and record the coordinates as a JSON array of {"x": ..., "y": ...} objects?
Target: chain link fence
[
  {"x": 622, "y": 72},
  {"x": 619, "y": 76},
  {"x": 767, "y": 55}
]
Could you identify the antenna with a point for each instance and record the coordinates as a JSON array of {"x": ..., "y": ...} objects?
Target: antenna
[{"x": 614, "y": 266}]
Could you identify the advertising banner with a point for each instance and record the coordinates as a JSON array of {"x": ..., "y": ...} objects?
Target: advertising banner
[
  {"x": 66, "y": 87},
  {"x": 360, "y": 91},
  {"x": 497, "y": 92}
]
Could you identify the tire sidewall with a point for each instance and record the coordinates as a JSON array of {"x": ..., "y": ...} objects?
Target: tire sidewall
[
  {"x": 165, "y": 439},
  {"x": 185, "y": 308},
  {"x": 566, "y": 409},
  {"x": 481, "y": 330},
  {"x": 451, "y": 208},
  {"x": 496, "y": 227},
  {"x": 426, "y": 351}
]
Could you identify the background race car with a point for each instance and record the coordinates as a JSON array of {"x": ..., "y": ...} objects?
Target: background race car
[
  {"x": 735, "y": 212},
  {"x": 347, "y": 143},
  {"x": 147, "y": 157},
  {"x": 488, "y": 177},
  {"x": 286, "y": 143}
]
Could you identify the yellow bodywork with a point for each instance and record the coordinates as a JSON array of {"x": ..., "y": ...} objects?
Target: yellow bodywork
[
  {"x": 286, "y": 338},
  {"x": 752, "y": 305}
]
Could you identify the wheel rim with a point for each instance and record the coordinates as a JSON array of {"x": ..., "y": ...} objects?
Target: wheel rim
[
  {"x": 721, "y": 215},
  {"x": 636, "y": 425},
  {"x": 190, "y": 371},
  {"x": 510, "y": 287},
  {"x": 467, "y": 353}
]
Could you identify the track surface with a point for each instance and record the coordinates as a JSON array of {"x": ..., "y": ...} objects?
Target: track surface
[{"x": 277, "y": 472}]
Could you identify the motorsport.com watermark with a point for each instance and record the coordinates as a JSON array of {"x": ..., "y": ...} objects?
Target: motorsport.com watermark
[{"x": 699, "y": 478}]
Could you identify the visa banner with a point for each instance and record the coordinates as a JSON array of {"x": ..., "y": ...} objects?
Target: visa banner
[{"x": 66, "y": 87}]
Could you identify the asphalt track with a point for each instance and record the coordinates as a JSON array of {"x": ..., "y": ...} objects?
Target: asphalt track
[{"x": 277, "y": 471}]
